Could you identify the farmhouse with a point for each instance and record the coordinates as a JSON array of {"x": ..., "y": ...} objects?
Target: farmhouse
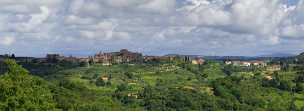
[
  {"x": 104, "y": 78},
  {"x": 258, "y": 63},
  {"x": 246, "y": 63},
  {"x": 198, "y": 61},
  {"x": 274, "y": 68}
]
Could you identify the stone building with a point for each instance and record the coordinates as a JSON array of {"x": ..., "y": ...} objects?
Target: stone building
[
  {"x": 104, "y": 58},
  {"x": 123, "y": 56},
  {"x": 247, "y": 63},
  {"x": 128, "y": 56},
  {"x": 258, "y": 63},
  {"x": 274, "y": 68}
]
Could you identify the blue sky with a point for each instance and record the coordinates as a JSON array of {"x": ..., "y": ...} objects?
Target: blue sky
[{"x": 157, "y": 27}]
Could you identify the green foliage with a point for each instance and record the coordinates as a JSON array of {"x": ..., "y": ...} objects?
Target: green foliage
[
  {"x": 167, "y": 99},
  {"x": 21, "y": 91},
  {"x": 213, "y": 71},
  {"x": 250, "y": 94},
  {"x": 84, "y": 64},
  {"x": 100, "y": 82},
  {"x": 162, "y": 86},
  {"x": 129, "y": 75},
  {"x": 14, "y": 69},
  {"x": 43, "y": 69}
]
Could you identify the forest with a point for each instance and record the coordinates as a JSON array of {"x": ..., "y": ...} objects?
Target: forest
[{"x": 157, "y": 86}]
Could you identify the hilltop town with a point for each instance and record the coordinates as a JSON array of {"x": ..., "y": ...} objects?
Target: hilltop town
[
  {"x": 48, "y": 64},
  {"x": 106, "y": 58},
  {"x": 126, "y": 56}
]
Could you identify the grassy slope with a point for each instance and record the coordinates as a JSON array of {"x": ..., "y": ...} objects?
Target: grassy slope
[{"x": 142, "y": 75}]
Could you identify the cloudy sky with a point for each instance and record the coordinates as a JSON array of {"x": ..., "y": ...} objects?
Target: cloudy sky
[{"x": 207, "y": 27}]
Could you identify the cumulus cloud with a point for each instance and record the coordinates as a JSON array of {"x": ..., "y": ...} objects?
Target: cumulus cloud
[
  {"x": 294, "y": 31},
  {"x": 76, "y": 20},
  {"x": 159, "y": 6},
  {"x": 224, "y": 27},
  {"x": 205, "y": 12},
  {"x": 37, "y": 19},
  {"x": 7, "y": 41},
  {"x": 104, "y": 30}
]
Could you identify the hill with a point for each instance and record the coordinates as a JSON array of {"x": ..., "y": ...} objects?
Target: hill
[
  {"x": 164, "y": 86},
  {"x": 279, "y": 55}
]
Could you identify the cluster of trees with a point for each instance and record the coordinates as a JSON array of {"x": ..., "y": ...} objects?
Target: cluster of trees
[
  {"x": 21, "y": 91},
  {"x": 43, "y": 69},
  {"x": 230, "y": 93}
]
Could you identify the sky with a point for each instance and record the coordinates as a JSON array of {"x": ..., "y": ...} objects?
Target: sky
[{"x": 152, "y": 27}]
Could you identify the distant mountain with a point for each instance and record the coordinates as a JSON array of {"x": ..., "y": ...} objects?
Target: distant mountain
[
  {"x": 279, "y": 55},
  {"x": 180, "y": 55},
  {"x": 171, "y": 55}
]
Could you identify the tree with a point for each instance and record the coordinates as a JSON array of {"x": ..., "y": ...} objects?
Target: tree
[
  {"x": 228, "y": 70},
  {"x": 13, "y": 56},
  {"x": 100, "y": 82},
  {"x": 23, "y": 92},
  {"x": 84, "y": 64},
  {"x": 129, "y": 75},
  {"x": 213, "y": 71},
  {"x": 154, "y": 99}
]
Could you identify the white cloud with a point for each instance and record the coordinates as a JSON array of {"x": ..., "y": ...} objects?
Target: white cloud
[
  {"x": 37, "y": 19},
  {"x": 171, "y": 24},
  {"x": 159, "y": 6},
  {"x": 7, "y": 41},
  {"x": 268, "y": 20},
  {"x": 204, "y": 12},
  {"x": 27, "y": 6},
  {"x": 124, "y": 3},
  {"x": 273, "y": 40},
  {"x": 18, "y": 8},
  {"x": 88, "y": 34},
  {"x": 104, "y": 30},
  {"x": 258, "y": 16},
  {"x": 294, "y": 31},
  {"x": 76, "y": 6},
  {"x": 76, "y": 20}
]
